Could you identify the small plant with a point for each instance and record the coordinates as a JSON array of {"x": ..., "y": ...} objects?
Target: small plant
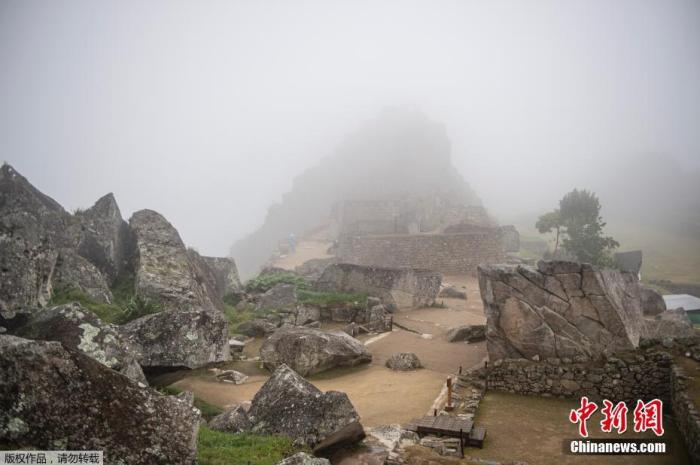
[
  {"x": 139, "y": 306},
  {"x": 109, "y": 313}
]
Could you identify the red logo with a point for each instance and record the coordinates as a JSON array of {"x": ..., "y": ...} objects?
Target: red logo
[{"x": 647, "y": 416}]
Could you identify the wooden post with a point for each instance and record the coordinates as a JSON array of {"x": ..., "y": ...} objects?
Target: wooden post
[
  {"x": 435, "y": 412},
  {"x": 449, "y": 394},
  {"x": 460, "y": 369},
  {"x": 461, "y": 442}
]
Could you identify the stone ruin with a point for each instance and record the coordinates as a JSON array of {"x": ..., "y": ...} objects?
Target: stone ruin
[
  {"x": 396, "y": 287},
  {"x": 566, "y": 310},
  {"x": 433, "y": 232}
]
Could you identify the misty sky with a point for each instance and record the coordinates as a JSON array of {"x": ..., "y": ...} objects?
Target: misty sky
[{"x": 205, "y": 110}]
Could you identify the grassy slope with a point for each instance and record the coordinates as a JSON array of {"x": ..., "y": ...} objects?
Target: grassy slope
[{"x": 667, "y": 255}]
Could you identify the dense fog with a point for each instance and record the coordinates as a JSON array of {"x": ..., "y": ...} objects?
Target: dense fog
[{"x": 206, "y": 111}]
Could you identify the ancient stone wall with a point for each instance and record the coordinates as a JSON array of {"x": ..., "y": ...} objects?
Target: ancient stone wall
[
  {"x": 685, "y": 413},
  {"x": 634, "y": 375},
  {"x": 446, "y": 253},
  {"x": 399, "y": 288}
]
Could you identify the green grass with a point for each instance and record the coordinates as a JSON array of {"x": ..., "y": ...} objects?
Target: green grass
[
  {"x": 217, "y": 448},
  {"x": 266, "y": 282},
  {"x": 109, "y": 313},
  {"x": 120, "y": 312},
  {"x": 323, "y": 299}
]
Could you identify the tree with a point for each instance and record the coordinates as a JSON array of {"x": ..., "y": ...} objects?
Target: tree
[
  {"x": 578, "y": 220},
  {"x": 550, "y": 222}
]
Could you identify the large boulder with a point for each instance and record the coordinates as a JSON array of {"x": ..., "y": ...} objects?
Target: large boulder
[
  {"x": 404, "y": 361},
  {"x": 396, "y": 287},
  {"x": 74, "y": 272},
  {"x": 652, "y": 302},
  {"x": 466, "y": 333},
  {"x": 32, "y": 227},
  {"x": 225, "y": 274},
  {"x": 101, "y": 236},
  {"x": 561, "y": 309},
  {"x": 671, "y": 324},
  {"x": 233, "y": 420},
  {"x": 256, "y": 327},
  {"x": 451, "y": 292},
  {"x": 56, "y": 398},
  {"x": 314, "y": 268},
  {"x": 165, "y": 271},
  {"x": 280, "y": 297},
  {"x": 289, "y": 405},
  {"x": 180, "y": 338},
  {"x": 80, "y": 329},
  {"x": 309, "y": 350}
]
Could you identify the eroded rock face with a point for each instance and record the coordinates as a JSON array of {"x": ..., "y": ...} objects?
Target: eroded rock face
[
  {"x": 404, "y": 361},
  {"x": 80, "y": 329},
  {"x": 652, "y": 302},
  {"x": 561, "y": 309},
  {"x": 32, "y": 229},
  {"x": 180, "y": 338},
  {"x": 314, "y": 268},
  {"x": 287, "y": 404},
  {"x": 74, "y": 272},
  {"x": 54, "y": 398},
  {"x": 396, "y": 287},
  {"x": 164, "y": 270},
  {"x": 102, "y": 237},
  {"x": 308, "y": 350}
]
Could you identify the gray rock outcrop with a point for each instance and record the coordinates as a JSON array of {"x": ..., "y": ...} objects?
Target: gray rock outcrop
[
  {"x": 561, "y": 309},
  {"x": 73, "y": 272},
  {"x": 102, "y": 237},
  {"x": 308, "y": 350},
  {"x": 404, "y": 361},
  {"x": 180, "y": 338},
  {"x": 164, "y": 269},
  {"x": 466, "y": 333},
  {"x": 396, "y": 287},
  {"x": 80, "y": 329},
  {"x": 652, "y": 302},
  {"x": 55, "y": 398},
  {"x": 32, "y": 227},
  {"x": 287, "y": 404}
]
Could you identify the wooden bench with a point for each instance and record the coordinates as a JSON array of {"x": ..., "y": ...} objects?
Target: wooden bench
[{"x": 476, "y": 437}]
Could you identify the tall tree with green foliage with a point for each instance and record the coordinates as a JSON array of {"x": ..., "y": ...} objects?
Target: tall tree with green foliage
[{"x": 579, "y": 223}]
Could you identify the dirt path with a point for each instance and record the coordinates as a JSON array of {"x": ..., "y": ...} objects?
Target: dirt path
[
  {"x": 380, "y": 395},
  {"x": 306, "y": 250}
]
